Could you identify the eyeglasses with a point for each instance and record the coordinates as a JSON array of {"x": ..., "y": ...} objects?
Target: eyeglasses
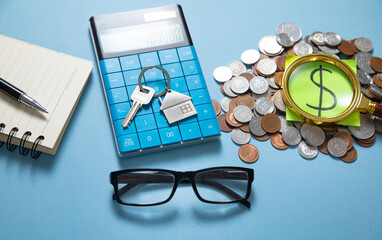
[{"x": 149, "y": 187}]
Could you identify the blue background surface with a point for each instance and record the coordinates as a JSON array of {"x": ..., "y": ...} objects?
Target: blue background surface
[{"x": 68, "y": 196}]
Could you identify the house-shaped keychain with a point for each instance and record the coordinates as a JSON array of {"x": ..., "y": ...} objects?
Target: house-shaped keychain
[{"x": 177, "y": 106}]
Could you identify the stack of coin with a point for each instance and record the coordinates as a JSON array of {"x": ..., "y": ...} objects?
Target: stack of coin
[{"x": 254, "y": 106}]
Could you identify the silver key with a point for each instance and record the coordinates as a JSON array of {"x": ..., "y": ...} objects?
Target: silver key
[{"x": 139, "y": 98}]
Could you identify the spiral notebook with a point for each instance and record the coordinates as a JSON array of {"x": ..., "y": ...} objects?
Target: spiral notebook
[{"x": 54, "y": 79}]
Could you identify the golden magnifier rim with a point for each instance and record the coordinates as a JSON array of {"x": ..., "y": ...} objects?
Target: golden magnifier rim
[{"x": 319, "y": 57}]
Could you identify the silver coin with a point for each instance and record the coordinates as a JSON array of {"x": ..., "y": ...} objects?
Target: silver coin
[
  {"x": 337, "y": 147},
  {"x": 291, "y": 136},
  {"x": 237, "y": 68},
  {"x": 242, "y": 113},
  {"x": 332, "y": 39},
  {"x": 292, "y": 29},
  {"x": 318, "y": 38},
  {"x": 222, "y": 74},
  {"x": 285, "y": 40},
  {"x": 250, "y": 56},
  {"x": 315, "y": 136},
  {"x": 307, "y": 151},
  {"x": 284, "y": 123},
  {"x": 267, "y": 66},
  {"x": 302, "y": 48},
  {"x": 377, "y": 91},
  {"x": 379, "y": 76},
  {"x": 304, "y": 128},
  {"x": 225, "y": 103},
  {"x": 307, "y": 40},
  {"x": 365, "y": 130},
  {"x": 239, "y": 137},
  {"x": 256, "y": 128},
  {"x": 267, "y": 94},
  {"x": 271, "y": 82},
  {"x": 363, "y": 77},
  {"x": 258, "y": 85},
  {"x": 264, "y": 106},
  {"x": 239, "y": 85},
  {"x": 269, "y": 46},
  {"x": 279, "y": 102},
  {"x": 363, "y": 62},
  {"x": 363, "y": 44},
  {"x": 342, "y": 129},
  {"x": 227, "y": 89},
  {"x": 329, "y": 50}
]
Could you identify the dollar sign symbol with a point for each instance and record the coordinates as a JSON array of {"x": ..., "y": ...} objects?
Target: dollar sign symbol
[{"x": 322, "y": 88}]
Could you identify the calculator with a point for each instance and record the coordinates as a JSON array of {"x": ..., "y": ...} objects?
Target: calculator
[{"x": 128, "y": 42}]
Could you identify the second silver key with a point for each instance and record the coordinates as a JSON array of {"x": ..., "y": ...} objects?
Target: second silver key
[{"x": 139, "y": 98}]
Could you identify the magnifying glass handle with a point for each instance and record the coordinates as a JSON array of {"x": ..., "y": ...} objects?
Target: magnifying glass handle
[{"x": 378, "y": 110}]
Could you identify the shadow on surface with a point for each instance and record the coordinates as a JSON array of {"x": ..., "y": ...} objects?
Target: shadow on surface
[{"x": 157, "y": 215}]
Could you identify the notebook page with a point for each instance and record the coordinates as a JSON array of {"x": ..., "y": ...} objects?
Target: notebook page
[{"x": 54, "y": 79}]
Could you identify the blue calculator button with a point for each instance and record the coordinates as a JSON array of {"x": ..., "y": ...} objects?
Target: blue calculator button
[
  {"x": 145, "y": 122},
  {"x": 120, "y": 110},
  {"x": 131, "y": 77},
  {"x": 128, "y": 143},
  {"x": 190, "y": 131},
  {"x": 169, "y": 135},
  {"x": 129, "y": 62},
  {"x": 210, "y": 127},
  {"x": 158, "y": 86},
  {"x": 153, "y": 74},
  {"x": 174, "y": 70},
  {"x": 205, "y": 111},
  {"x": 187, "y": 53},
  {"x": 155, "y": 104},
  {"x": 148, "y": 59},
  {"x": 191, "y": 67},
  {"x": 195, "y": 82},
  {"x": 119, "y": 130},
  {"x": 117, "y": 95},
  {"x": 200, "y": 96},
  {"x": 149, "y": 139},
  {"x": 168, "y": 56},
  {"x": 113, "y": 80},
  {"x": 130, "y": 90},
  {"x": 110, "y": 65},
  {"x": 161, "y": 120},
  {"x": 178, "y": 84}
]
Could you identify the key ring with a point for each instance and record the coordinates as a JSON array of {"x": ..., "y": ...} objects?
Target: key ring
[{"x": 163, "y": 70}]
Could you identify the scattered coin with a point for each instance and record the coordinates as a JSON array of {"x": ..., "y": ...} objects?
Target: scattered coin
[
  {"x": 291, "y": 136},
  {"x": 231, "y": 119},
  {"x": 366, "y": 130},
  {"x": 264, "y": 106},
  {"x": 223, "y": 123},
  {"x": 318, "y": 38},
  {"x": 324, "y": 147},
  {"x": 225, "y": 103},
  {"x": 245, "y": 127},
  {"x": 279, "y": 102},
  {"x": 350, "y": 156},
  {"x": 271, "y": 123},
  {"x": 256, "y": 128},
  {"x": 307, "y": 151},
  {"x": 239, "y": 137},
  {"x": 292, "y": 29},
  {"x": 250, "y": 56},
  {"x": 315, "y": 136},
  {"x": 242, "y": 113},
  {"x": 346, "y": 48},
  {"x": 227, "y": 89},
  {"x": 222, "y": 74},
  {"x": 237, "y": 68},
  {"x": 248, "y": 153},
  {"x": 267, "y": 66},
  {"x": 346, "y": 137},
  {"x": 363, "y": 44},
  {"x": 363, "y": 62},
  {"x": 258, "y": 85},
  {"x": 302, "y": 48},
  {"x": 277, "y": 141},
  {"x": 239, "y": 85},
  {"x": 332, "y": 39},
  {"x": 284, "y": 40},
  {"x": 269, "y": 46},
  {"x": 337, "y": 147},
  {"x": 376, "y": 64}
]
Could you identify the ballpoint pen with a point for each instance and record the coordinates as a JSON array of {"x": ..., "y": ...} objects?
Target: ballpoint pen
[{"x": 19, "y": 95}]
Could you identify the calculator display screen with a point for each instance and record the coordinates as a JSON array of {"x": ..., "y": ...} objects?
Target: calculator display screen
[{"x": 141, "y": 36}]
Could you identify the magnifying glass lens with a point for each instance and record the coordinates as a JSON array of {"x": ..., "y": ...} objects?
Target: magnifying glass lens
[{"x": 320, "y": 89}]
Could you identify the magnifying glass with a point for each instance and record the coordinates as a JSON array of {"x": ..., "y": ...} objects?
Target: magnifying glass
[{"x": 322, "y": 89}]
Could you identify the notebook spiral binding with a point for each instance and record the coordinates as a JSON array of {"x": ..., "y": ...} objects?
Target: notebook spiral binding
[{"x": 22, "y": 149}]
